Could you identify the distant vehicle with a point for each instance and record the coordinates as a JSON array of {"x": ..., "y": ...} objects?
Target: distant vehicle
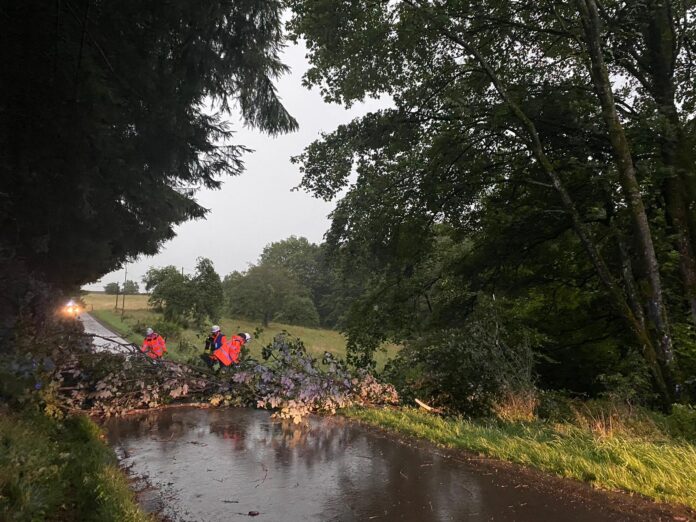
[{"x": 72, "y": 309}]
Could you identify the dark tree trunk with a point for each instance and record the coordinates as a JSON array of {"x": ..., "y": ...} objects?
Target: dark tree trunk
[
  {"x": 656, "y": 307},
  {"x": 679, "y": 187}
]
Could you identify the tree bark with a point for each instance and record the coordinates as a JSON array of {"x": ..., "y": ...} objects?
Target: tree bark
[
  {"x": 679, "y": 186},
  {"x": 656, "y": 307}
]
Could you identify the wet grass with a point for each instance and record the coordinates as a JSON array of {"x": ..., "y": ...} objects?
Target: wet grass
[
  {"x": 664, "y": 470},
  {"x": 60, "y": 470},
  {"x": 190, "y": 342}
]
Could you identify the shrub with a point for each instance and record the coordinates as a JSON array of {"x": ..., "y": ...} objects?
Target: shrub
[
  {"x": 469, "y": 369},
  {"x": 681, "y": 422}
]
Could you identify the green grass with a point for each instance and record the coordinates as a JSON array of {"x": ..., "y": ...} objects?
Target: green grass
[
  {"x": 662, "y": 470},
  {"x": 60, "y": 470},
  {"x": 317, "y": 340}
]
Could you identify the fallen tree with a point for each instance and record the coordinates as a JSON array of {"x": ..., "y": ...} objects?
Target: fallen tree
[{"x": 73, "y": 378}]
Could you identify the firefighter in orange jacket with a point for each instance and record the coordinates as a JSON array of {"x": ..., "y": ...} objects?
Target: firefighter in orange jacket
[
  {"x": 153, "y": 345},
  {"x": 225, "y": 351}
]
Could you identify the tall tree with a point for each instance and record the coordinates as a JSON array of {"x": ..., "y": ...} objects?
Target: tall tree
[
  {"x": 106, "y": 128},
  {"x": 208, "y": 299},
  {"x": 170, "y": 292},
  {"x": 112, "y": 288},
  {"x": 130, "y": 287},
  {"x": 489, "y": 99}
]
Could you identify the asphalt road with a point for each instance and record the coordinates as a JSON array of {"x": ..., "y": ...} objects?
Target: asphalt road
[{"x": 105, "y": 340}]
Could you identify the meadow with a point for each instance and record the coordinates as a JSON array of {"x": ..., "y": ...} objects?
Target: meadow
[{"x": 190, "y": 341}]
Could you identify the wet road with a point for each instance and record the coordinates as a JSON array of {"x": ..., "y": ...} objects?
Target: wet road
[
  {"x": 107, "y": 341},
  {"x": 225, "y": 464}
]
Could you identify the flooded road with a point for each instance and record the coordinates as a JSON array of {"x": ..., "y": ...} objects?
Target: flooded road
[{"x": 233, "y": 464}]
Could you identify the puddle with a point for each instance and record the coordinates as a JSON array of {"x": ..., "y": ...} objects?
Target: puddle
[{"x": 239, "y": 464}]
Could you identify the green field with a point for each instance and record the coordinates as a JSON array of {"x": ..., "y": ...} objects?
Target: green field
[
  {"x": 101, "y": 301},
  {"x": 138, "y": 315}
]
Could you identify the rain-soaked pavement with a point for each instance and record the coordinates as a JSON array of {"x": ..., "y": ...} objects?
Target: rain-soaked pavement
[
  {"x": 230, "y": 464},
  {"x": 105, "y": 340}
]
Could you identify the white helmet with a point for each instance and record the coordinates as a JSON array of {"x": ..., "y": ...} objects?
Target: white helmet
[
  {"x": 246, "y": 336},
  {"x": 215, "y": 329},
  {"x": 149, "y": 331}
]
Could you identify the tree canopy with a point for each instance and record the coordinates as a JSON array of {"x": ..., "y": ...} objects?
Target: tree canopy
[
  {"x": 114, "y": 115},
  {"x": 285, "y": 284},
  {"x": 184, "y": 297},
  {"x": 538, "y": 151}
]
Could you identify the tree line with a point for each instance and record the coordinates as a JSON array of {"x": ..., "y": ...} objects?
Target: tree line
[
  {"x": 129, "y": 287},
  {"x": 292, "y": 283}
]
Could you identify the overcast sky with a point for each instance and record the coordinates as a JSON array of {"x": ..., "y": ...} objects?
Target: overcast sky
[{"x": 257, "y": 207}]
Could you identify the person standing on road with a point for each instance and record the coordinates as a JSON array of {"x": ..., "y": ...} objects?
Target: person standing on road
[{"x": 153, "y": 344}]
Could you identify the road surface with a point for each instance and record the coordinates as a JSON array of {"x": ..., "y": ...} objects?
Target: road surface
[
  {"x": 232, "y": 463},
  {"x": 105, "y": 340}
]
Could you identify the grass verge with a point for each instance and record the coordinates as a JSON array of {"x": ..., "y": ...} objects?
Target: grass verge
[
  {"x": 60, "y": 470},
  {"x": 661, "y": 470}
]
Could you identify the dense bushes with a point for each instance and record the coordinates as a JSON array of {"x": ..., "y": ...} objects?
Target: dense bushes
[{"x": 469, "y": 369}]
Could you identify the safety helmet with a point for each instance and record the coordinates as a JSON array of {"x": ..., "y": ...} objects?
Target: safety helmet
[
  {"x": 215, "y": 329},
  {"x": 149, "y": 331},
  {"x": 245, "y": 336}
]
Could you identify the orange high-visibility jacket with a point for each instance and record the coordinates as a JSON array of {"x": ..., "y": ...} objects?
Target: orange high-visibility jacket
[
  {"x": 154, "y": 346},
  {"x": 228, "y": 352}
]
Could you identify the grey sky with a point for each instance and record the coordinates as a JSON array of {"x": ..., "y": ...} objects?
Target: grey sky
[{"x": 257, "y": 207}]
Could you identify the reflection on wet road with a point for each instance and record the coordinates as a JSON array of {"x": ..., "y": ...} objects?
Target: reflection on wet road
[{"x": 223, "y": 464}]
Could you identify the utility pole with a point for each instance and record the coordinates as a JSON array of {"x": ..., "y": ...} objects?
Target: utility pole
[{"x": 125, "y": 278}]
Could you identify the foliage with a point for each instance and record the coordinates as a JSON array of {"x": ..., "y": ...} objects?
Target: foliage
[
  {"x": 63, "y": 374},
  {"x": 304, "y": 285},
  {"x": 298, "y": 309},
  {"x": 268, "y": 292},
  {"x": 662, "y": 470},
  {"x": 681, "y": 422},
  {"x": 445, "y": 194},
  {"x": 292, "y": 383},
  {"x": 206, "y": 292},
  {"x": 111, "y": 384},
  {"x": 170, "y": 291},
  {"x": 112, "y": 289},
  {"x": 297, "y": 255},
  {"x": 106, "y": 112},
  {"x": 130, "y": 287},
  {"x": 182, "y": 297},
  {"x": 468, "y": 370},
  {"x": 60, "y": 469}
]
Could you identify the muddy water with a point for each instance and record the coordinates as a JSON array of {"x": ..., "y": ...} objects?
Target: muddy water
[{"x": 230, "y": 464}]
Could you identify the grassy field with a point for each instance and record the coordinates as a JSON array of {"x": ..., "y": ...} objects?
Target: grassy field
[
  {"x": 60, "y": 470},
  {"x": 138, "y": 315},
  {"x": 664, "y": 470},
  {"x": 97, "y": 301}
]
